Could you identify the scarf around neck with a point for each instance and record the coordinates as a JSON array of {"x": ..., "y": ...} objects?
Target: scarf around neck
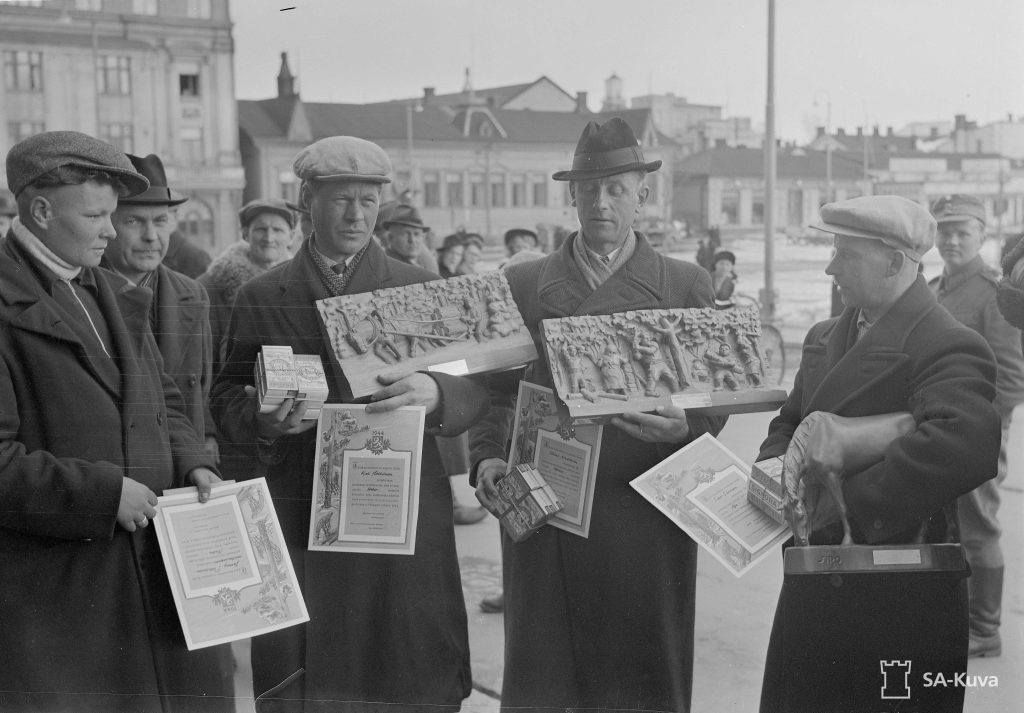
[
  {"x": 594, "y": 270},
  {"x": 334, "y": 282},
  {"x": 35, "y": 247}
]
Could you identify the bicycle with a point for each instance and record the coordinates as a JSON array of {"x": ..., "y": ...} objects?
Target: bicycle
[{"x": 771, "y": 339}]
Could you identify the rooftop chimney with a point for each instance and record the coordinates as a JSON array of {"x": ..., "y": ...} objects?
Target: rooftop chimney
[
  {"x": 959, "y": 122},
  {"x": 820, "y": 131},
  {"x": 581, "y": 103},
  {"x": 842, "y": 132},
  {"x": 285, "y": 79},
  {"x": 428, "y": 95},
  {"x": 875, "y": 131},
  {"x": 860, "y": 131},
  {"x": 933, "y": 133},
  {"x": 888, "y": 131}
]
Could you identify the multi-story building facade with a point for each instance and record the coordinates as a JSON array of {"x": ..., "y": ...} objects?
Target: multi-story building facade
[
  {"x": 465, "y": 160},
  {"x": 148, "y": 76}
]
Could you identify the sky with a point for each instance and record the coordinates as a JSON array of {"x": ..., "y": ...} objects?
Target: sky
[{"x": 848, "y": 63}]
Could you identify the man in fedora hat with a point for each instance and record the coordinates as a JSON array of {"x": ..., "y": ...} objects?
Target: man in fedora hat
[
  {"x": 91, "y": 432},
  {"x": 967, "y": 288},
  {"x": 405, "y": 238},
  {"x": 893, "y": 349},
  {"x": 387, "y": 632},
  {"x": 603, "y": 622}
]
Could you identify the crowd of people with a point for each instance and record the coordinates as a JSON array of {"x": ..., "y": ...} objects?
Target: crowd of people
[{"x": 121, "y": 378}]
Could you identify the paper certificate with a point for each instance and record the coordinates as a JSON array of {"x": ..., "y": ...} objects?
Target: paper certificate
[
  {"x": 227, "y": 563},
  {"x": 566, "y": 455},
  {"x": 703, "y": 489},
  {"x": 367, "y": 480}
]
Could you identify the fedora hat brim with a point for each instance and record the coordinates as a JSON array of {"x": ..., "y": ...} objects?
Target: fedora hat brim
[
  {"x": 155, "y": 195},
  {"x": 410, "y": 223},
  {"x": 582, "y": 174}
]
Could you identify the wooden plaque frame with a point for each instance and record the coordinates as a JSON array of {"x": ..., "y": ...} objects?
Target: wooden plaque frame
[
  {"x": 462, "y": 325},
  {"x": 705, "y": 360}
]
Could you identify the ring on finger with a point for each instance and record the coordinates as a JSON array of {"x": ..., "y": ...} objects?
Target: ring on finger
[{"x": 641, "y": 429}]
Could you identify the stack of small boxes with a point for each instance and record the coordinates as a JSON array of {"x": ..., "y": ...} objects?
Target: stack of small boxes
[
  {"x": 281, "y": 374},
  {"x": 764, "y": 490},
  {"x": 526, "y": 502}
]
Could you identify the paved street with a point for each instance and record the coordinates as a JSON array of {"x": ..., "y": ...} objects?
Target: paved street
[{"x": 734, "y": 615}]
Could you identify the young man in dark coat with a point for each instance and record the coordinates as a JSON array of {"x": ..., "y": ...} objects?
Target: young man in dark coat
[
  {"x": 893, "y": 349},
  {"x": 179, "y": 318},
  {"x": 386, "y": 632},
  {"x": 603, "y": 622},
  {"x": 91, "y": 432}
]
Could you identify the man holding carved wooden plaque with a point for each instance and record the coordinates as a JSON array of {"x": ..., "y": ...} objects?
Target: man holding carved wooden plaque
[{"x": 606, "y": 621}]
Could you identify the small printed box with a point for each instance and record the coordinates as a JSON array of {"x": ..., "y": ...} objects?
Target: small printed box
[
  {"x": 526, "y": 502},
  {"x": 278, "y": 371},
  {"x": 765, "y": 501},
  {"x": 309, "y": 371},
  {"x": 768, "y": 474}
]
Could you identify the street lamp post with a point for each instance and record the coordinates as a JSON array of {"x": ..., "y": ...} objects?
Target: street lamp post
[{"x": 768, "y": 298}]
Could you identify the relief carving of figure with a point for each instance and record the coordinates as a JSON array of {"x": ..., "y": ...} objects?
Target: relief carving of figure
[
  {"x": 723, "y": 367},
  {"x": 649, "y": 354}
]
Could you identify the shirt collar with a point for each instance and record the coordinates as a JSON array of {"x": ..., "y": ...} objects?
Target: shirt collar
[{"x": 952, "y": 280}]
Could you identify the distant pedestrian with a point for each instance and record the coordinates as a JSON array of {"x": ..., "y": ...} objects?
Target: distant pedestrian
[
  {"x": 449, "y": 257},
  {"x": 472, "y": 251},
  {"x": 406, "y": 236}
]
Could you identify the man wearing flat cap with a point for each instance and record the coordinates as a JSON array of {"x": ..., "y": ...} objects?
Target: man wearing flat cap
[
  {"x": 91, "y": 432},
  {"x": 602, "y": 622},
  {"x": 387, "y": 632},
  {"x": 893, "y": 349},
  {"x": 967, "y": 288}
]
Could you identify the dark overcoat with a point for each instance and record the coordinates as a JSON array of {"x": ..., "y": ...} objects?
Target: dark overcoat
[
  {"x": 86, "y": 619},
  {"x": 604, "y": 622},
  {"x": 915, "y": 358},
  {"x": 389, "y": 629}
]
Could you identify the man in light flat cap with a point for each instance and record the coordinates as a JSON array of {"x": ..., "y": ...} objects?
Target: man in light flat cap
[
  {"x": 387, "y": 632},
  {"x": 603, "y": 622},
  {"x": 967, "y": 288},
  {"x": 91, "y": 432},
  {"x": 893, "y": 349}
]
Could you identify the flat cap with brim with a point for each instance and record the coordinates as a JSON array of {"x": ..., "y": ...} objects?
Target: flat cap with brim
[
  {"x": 898, "y": 222},
  {"x": 37, "y": 155},
  {"x": 259, "y": 206},
  {"x": 403, "y": 214},
  {"x": 514, "y": 233},
  {"x": 606, "y": 150},
  {"x": 343, "y": 158},
  {"x": 158, "y": 193},
  {"x": 958, "y": 206}
]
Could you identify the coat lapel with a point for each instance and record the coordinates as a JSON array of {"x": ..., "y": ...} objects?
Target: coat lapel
[
  {"x": 639, "y": 284},
  {"x": 856, "y": 369},
  {"x": 178, "y": 316}
]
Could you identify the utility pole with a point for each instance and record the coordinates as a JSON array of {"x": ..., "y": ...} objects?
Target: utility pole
[{"x": 768, "y": 296}]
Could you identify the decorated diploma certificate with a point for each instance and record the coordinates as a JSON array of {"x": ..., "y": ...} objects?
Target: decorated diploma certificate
[
  {"x": 702, "y": 488},
  {"x": 366, "y": 482},
  {"x": 564, "y": 454},
  {"x": 227, "y": 563}
]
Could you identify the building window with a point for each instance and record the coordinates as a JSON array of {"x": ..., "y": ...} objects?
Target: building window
[
  {"x": 455, "y": 190},
  {"x": 113, "y": 75},
  {"x": 144, "y": 7},
  {"x": 431, "y": 190},
  {"x": 477, "y": 188},
  {"x": 21, "y": 130},
  {"x": 518, "y": 191},
  {"x": 89, "y": 5},
  {"x": 119, "y": 135},
  {"x": 200, "y": 9},
  {"x": 188, "y": 85},
  {"x": 730, "y": 214},
  {"x": 23, "y": 71},
  {"x": 498, "y": 191},
  {"x": 540, "y": 192},
  {"x": 191, "y": 144},
  {"x": 757, "y": 209},
  {"x": 288, "y": 185}
]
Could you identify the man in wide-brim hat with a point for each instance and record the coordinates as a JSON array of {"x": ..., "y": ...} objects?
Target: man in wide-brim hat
[{"x": 603, "y": 622}]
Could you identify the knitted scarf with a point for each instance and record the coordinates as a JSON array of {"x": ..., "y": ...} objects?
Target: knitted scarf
[
  {"x": 594, "y": 271},
  {"x": 235, "y": 267},
  {"x": 334, "y": 282},
  {"x": 34, "y": 246}
]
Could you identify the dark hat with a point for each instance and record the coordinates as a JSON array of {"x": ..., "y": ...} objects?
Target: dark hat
[
  {"x": 38, "y": 155},
  {"x": 473, "y": 239},
  {"x": 724, "y": 255},
  {"x": 8, "y": 206},
  {"x": 898, "y": 222},
  {"x": 958, "y": 207},
  {"x": 276, "y": 206},
  {"x": 510, "y": 235},
  {"x": 158, "y": 193},
  {"x": 452, "y": 241},
  {"x": 403, "y": 214},
  {"x": 606, "y": 150},
  {"x": 343, "y": 158}
]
